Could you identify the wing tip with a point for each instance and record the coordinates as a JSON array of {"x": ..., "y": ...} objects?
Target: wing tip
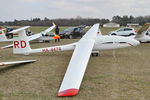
[
  {"x": 68, "y": 92},
  {"x": 32, "y": 60}
]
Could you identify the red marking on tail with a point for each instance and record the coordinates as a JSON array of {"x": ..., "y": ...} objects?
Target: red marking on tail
[{"x": 20, "y": 44}]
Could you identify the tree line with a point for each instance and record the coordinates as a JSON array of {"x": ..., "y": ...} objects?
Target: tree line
[{"x": 122, "y": 20}]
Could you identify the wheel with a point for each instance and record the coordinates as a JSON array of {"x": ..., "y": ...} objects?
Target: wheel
[
  {"x": 92, "y": 54},
  {"x": 70, "y": 36},
  {"x": 113, "y": 34},
  {"x": 95, "y": 54}
]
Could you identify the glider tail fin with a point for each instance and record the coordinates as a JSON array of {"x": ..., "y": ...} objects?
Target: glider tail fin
[
  {"x": 20, "y": 41},
  {"x": 2, "y": 36},
  {"x": 141, "y": 32},
  {"x": 143, "y": 28}
]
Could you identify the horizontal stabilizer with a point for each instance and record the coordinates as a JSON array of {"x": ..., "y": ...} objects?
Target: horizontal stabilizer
[
  {"x": 16, "y": 62},
  {"x": 8, "y": 46},
  {"x": 19, "y": 29}
]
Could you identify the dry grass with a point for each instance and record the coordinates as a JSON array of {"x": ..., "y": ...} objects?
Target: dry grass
[{"x": 122, "y": 74}]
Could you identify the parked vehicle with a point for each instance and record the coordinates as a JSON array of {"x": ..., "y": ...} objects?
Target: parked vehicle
[
  {"x": 73, "y": 32},
  {"x": 127, "y": 31}
]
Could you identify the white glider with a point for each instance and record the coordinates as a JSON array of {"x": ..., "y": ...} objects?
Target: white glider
[
  {"x": 16, "y": 62},
  {"x": 91, "y": 41},
  {"x": 3, "y": 37},
  {"x": 143, "y": 34}
]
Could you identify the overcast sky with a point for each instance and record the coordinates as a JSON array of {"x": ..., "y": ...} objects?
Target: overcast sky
[{"x": 27, "y": 9}]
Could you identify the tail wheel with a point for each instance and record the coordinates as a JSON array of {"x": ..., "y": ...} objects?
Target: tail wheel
[{"x": 95, "y": 54}]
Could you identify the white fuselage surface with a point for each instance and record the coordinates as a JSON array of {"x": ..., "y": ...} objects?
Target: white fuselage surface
[{"x": 101, "y": 43}]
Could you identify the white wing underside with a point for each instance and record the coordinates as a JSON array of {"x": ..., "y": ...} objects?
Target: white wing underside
[{"x": 77, "y": 66}]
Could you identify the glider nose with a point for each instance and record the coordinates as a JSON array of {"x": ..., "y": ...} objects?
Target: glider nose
[{"x": 134, "y": 42}]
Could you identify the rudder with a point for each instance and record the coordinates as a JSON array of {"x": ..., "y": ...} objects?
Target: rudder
[
  {"x": 20, "y": 41},
  {"x": 3, "y": 36}
]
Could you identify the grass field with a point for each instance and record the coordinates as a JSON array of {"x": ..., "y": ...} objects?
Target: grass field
[{"x": 122, "y": 74}]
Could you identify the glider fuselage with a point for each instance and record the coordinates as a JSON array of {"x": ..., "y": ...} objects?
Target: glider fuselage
[{"x": 101, "y": 43}]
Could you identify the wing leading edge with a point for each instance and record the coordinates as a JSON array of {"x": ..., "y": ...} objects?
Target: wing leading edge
[{"x": 77, "y": 66}]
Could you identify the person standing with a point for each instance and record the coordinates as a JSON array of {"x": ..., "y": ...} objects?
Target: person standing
[{"x": 57, "y": 34}]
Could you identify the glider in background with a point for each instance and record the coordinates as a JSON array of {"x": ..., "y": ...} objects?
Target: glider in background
[
  {"x": 3, "y": 37},
  {"x": 39, "y": 36},
  {"x": 143, "y": 34}
]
